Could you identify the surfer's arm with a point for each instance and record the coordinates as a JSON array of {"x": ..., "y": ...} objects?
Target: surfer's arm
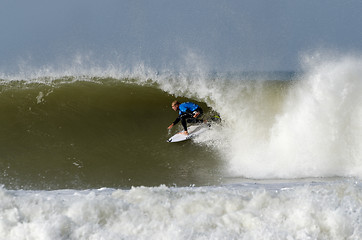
[{"x": 175, "y": 122}]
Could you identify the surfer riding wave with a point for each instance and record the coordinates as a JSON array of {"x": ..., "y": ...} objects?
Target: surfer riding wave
[{"x": 189, "y": 112}]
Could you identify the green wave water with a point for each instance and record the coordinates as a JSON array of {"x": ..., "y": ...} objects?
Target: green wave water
[{"x": 89, "y": 134}]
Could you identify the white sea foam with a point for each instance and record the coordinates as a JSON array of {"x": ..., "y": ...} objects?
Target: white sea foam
[
  {"x": 318, "y": 131},
  {"x": 330, "y": 210}
]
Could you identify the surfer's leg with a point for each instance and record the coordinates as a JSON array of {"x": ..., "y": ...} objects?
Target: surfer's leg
[
  {"x": 186, "y": 118},
  {"x": 184, "y": 124}
]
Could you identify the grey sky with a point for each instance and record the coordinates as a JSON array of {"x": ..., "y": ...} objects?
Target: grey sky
[{"x": 226, "y": 35}]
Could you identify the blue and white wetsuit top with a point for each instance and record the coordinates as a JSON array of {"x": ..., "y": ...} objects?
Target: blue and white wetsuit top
[{"x": 187, "y": 107}]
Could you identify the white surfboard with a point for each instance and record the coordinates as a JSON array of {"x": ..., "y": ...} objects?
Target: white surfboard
[{"x": 193, "y": 130}]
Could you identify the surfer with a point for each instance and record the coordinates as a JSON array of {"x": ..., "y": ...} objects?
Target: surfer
[{"x": 188, "y": 112}]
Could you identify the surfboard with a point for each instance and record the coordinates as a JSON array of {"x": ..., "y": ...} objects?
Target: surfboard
[{"x": 193, "y": 130}]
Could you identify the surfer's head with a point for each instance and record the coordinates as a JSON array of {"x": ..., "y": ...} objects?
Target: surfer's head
[{"x": 175, "y": 104}]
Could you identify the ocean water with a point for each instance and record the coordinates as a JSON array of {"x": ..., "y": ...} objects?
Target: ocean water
[{"x": 83, "y": 154}]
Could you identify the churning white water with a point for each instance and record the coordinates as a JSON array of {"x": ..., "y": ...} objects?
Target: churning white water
[{"x": 329, "y": 210}]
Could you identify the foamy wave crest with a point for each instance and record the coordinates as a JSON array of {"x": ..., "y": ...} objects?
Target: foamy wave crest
[
  {"x": 316, "y": 130},
  {"x": 79, "y": 67}
]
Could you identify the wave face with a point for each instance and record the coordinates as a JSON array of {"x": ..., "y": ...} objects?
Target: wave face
[
  {"x": 93, "y": 133},
  {"x": 109, "y": 128}
]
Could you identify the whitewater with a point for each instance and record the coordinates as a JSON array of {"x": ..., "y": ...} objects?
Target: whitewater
[
  {"x": 248, "y": 211},
  {"x": 284, "y": 163}
]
